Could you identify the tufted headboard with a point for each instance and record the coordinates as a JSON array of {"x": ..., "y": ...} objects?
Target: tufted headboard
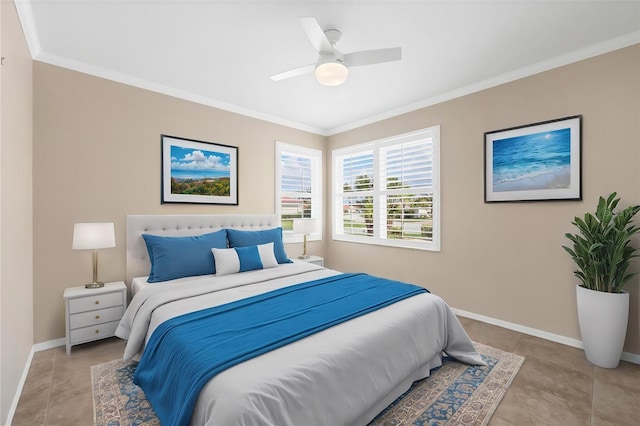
[{"x": 180, "y": 225}]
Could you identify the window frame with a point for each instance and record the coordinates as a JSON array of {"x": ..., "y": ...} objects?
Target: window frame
[
  {"x": 316, "y": 157},
  {"x": 379, "y": 237}
]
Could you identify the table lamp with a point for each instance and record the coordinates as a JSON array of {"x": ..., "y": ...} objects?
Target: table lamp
[
  {"x": 305, "y": 227},
  {"x": 93, "y": 236}
]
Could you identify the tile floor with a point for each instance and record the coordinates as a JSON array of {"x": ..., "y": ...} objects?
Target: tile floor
[{"x": 555, "y": 386}]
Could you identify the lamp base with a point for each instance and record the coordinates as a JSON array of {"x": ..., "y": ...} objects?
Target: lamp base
[
  {"x": 94, "y": 284},
  {"x": 304, "y": 256}
]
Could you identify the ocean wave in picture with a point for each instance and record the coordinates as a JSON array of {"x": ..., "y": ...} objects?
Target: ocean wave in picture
[{"x": 535, "y": 161}]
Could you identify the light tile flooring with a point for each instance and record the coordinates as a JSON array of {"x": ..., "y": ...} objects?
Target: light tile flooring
[{"x": 555, "y": 386}]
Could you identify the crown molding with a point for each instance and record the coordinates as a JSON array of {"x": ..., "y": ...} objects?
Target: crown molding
[
  {"x": 25, "y": 14},
  {"x": 558, "y": 61}
]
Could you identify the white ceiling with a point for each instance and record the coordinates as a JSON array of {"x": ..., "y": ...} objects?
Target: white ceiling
[{"x": 221, "y": 53}]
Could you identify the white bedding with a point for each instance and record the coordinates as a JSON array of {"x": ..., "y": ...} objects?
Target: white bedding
[
  {"x": 341, "y": 376},
  {"x": 137, "y": 284}
]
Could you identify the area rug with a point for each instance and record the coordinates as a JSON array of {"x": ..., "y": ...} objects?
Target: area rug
[{"x": 454, "y": 394}]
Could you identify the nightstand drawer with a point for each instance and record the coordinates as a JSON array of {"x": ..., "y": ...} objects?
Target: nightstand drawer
[
  {"x": 95, "y": 332},
  {"x": 99, "y": 301},
  {"x": 100, "y": 316}
]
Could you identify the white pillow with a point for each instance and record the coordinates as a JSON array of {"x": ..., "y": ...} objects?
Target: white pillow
[
  {"x": 241, "y": 259},
  {"x": 226, "y": 260},
  {"x": 267, "y": 255}
]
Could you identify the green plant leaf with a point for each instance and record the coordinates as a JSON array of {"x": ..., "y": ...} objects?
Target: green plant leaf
[{"x": 601, "y": 249}]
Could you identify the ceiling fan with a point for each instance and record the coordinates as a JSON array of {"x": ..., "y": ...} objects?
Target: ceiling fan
[{"x": 332, "y": 67}]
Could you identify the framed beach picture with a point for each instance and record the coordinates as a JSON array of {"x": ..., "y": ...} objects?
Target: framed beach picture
[
  {"x": 536, "y": 162},
  {"x": 198, "y": 172}
]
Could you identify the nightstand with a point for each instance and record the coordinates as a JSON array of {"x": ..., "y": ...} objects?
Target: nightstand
[
  {"x": 313, "y": 259},
  {"x": 93, "y": 313}
]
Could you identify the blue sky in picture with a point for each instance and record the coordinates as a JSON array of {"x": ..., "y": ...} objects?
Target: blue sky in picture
[
  {"x": 531, "y": 156},
  {"x": 189, "y": 163}
]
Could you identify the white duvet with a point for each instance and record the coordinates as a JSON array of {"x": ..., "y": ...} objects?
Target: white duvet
[{"x": 341, "y": 376}]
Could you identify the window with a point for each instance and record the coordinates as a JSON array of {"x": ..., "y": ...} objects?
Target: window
[
  {"x": 387, "y": 192},
  {"x": 298, "y": 188}
]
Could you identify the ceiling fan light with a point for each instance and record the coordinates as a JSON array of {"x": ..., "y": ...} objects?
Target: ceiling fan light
[{"x": 331, "y": 73}]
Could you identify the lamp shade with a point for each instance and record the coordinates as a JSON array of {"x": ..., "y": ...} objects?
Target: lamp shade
[
  {"x": 331, "y": 73},
  {"x": 305, "y": 226},
  {"x": 93, "y": 236}
]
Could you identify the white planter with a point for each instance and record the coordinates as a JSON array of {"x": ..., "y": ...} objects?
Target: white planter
[{"x": 603, "y": 321}]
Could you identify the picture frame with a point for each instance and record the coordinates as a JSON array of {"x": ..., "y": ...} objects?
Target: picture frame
[
  {"x": 198, "y": 172},
  {"x": 535, "y": 162}
]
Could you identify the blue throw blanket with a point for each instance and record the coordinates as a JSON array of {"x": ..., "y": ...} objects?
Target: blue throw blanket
[{"x": 185, "y": 352}]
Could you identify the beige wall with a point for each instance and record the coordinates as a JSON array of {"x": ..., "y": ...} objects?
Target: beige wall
[
  {"x": 504, "y": 260},
  {"x": 16, "y": 248},
  {"x": 97, "y": 158}
]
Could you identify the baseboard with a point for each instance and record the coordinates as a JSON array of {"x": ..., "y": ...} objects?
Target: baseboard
[
  {"x": 35, "y": 348},
  {"x": 50, "y": 344},
  {"x": 16, "y": 397},
  {"x": 626, "y": 356},
  {"x": 630, "y": 357}
]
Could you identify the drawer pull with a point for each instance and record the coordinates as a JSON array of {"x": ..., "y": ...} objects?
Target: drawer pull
[
  {"x": 97, "y": 316},
  {"x": 97, "y": 302},
  {"x": 97, "y": 331}
]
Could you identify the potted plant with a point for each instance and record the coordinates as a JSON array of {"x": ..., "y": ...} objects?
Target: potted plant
[{"x": 602, "y": 252}]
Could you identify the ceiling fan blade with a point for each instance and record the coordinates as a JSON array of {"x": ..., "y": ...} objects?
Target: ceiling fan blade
[
  {"x": 368, "y": 57},
  {"x": 294, "y": 72},
  {"x": 316, "y": 36}
]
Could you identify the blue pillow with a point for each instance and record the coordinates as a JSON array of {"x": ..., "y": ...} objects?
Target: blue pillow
[
  {"x": 177, "y": 257},
  {"x": 249, "y": 258},
  {"x": 253, "y": 238}
]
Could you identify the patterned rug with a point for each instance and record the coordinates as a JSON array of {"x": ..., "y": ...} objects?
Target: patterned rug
[{"x": 454, "y": 394}]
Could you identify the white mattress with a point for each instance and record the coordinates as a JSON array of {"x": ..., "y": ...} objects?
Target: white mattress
[{"x": 342, "y": 375}]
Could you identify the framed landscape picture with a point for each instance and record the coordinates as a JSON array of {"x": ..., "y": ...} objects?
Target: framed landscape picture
[
  {"x": 198, "y": 172},
  {"x": 540, "y": 161}
]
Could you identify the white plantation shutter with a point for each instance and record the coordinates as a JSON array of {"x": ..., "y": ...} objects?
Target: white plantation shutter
[
  {"x": 355, "y": 199},
  {"x": 406, "y": 171},
  {"x": 298, "y": 187},
  {"x": 387, "y": 191},
  {"x": 295, "y": 185}
]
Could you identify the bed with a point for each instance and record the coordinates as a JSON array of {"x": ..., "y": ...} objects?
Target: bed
[{"x": 342, "y": 374}]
